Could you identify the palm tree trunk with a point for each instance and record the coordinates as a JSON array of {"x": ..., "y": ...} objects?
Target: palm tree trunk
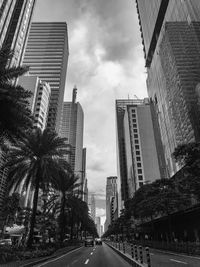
[
  {"x": 33, "y": 217},
  {"x": 62, "y": 217}
]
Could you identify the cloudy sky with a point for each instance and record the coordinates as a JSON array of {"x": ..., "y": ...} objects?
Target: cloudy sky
[{"x": 105, "y": 63}]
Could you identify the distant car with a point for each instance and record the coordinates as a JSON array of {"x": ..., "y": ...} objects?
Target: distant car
[
  {"x": 89, "y": 241},
  {"x": 98, "y": 241}
]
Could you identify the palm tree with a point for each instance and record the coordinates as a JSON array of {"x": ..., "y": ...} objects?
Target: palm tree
[
  {"x": 15, "y": 115},
  {"x": 35, "y": 159}
]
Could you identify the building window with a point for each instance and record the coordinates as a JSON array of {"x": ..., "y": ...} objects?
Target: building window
[
  {"x": 138, "y": 158},
  {"x": 137, "y": 147},
  {"x": 140, "y": 177},
  {"x": 133, "y": 110},
  {"x": 134, "y": 125},
  {"x": 135, "y": 135},
  {"x": 137, "y": 153},
  {"x": 134, "y": 120},
  {"x": 136, "y": 141},
  {"x": 139, "y": 165},
  {"x": 140, "y": 171},
  {"x": 133, "y": 116},
  {"x": 140, "y": 184},
  {"x": 135, "y": 130}
]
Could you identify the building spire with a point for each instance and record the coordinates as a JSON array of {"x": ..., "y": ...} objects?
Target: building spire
[{"x": 74, "y": 94}]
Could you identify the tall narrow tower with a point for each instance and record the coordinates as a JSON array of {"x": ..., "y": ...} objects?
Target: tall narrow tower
[
  {"x": 47, "y": 55},
  {"x": 93, "y": 207}
]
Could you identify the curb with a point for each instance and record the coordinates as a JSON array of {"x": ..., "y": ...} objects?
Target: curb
[
  {"x": 126, "y": 257},
  {"x": 30, "y": 264}
]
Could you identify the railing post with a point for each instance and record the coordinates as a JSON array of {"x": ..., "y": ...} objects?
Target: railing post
[
  {"x": 124, "y": 247},
  {"x": 148, "y": 257},
  {"x": 132, "y": 250},
  {"x": 136, "y": 253},
  {"x": 141, "y": 254}
]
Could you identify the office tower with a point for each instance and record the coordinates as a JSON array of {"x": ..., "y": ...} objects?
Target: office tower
[
  {"x": 98, "y": 225},
  {"x": 71, "y": 128},
  {"x": 101, "y": 230},
  {"x": 83, "y": 172},
  {"x": 85, "y": 190},
  {"x": 39, "y": 101},
  {"x": 47, "y": 55},
  {"x": 170, "y": 36},
  {"x": 93, "y": 207},
  {"x": 15, "y": 20},
  {"x": 111, "y": 201},
  {"x": 142, "y": 164}
]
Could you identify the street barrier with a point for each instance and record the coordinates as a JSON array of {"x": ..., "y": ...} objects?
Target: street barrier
[{"x": 133, "y": 252}]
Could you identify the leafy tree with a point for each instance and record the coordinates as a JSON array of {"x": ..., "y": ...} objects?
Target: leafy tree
[
  {"x": 15, "y": 115},
  {"x": 188, "y": 156},
  {"x": 35, "y": 159}
]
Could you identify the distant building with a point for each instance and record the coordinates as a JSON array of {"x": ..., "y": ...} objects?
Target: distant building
[
  {"x": 134, "y": 116},
  {"x": 39, "y": 101},
  {"x": 142, "y": 163},
  {"x": 98, "y": 225},
  {"x": 71, "y": 127},
  {"x": 111, "y": 201},
  {"x": 15, "y": 23},
  {"x": 93, "y": 207},
  {"x": 85, "y": 190},
  {"x": 47, "y": 55}
]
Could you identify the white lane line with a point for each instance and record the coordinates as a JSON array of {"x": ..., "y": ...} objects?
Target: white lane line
[
  {"x": 86, "y": 262},
  {"x": 91, "y": 253},
  {"x": 179, "y": 261},
  {"x": 93, "y": 249},
  {"x": 46, "y": 262}
]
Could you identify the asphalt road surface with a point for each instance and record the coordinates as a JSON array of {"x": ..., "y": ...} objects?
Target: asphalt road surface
[{"x": 97, "y": 256}]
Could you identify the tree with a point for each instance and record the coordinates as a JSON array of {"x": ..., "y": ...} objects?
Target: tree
[
  {"x": 188, "y": 156},
  {"x": 35, "y": 159},
  {"x": 15, "y": 114}
]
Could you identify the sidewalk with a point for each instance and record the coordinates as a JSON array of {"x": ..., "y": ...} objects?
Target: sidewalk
[{"x": 32, "y": 262}]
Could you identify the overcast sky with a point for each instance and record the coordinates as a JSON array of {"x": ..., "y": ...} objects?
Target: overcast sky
[{"x": 105, "y": 63}]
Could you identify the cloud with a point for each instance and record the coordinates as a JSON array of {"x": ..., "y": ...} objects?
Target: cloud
[{"x": 106, "y": 63}]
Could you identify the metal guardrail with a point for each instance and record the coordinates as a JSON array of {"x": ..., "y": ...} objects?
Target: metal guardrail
[{"x": 140, "y": 256}]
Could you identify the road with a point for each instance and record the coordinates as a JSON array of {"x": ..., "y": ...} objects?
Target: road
[
  {"x": 97, "y": 256},
  {"x": 170, "y": 259}
]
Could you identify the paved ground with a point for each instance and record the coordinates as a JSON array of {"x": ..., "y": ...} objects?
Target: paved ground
[{"x": 98, "y": 256}]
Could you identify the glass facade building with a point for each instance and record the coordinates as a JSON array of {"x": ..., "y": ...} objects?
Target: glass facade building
[
  {"x": 15, "y": 20},
  {"x": 171, "y": 44},
  {"x": 47, "y": 55}
]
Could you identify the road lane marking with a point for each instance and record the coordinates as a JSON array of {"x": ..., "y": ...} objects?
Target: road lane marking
[
  {"x": 175, "y": 254},
  {"x": 46, "y": 262},
  {"x": 91, "y": 253},
  {"x": 86, "y": 262},
  {"x": 179, "y": 261}
]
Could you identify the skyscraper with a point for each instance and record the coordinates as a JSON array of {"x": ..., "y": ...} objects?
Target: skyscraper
[
  {"x": 140, "y": 146},
  {"x": 98, "y": 225},
  {"x": 47, "y": 55},
  {"x": 170, "y": 36},
  {"x": 71, "y": 127},
  {"x": 111, "y": 201},
  {"x": 93, "y": 207},
  {"x": 15, "y": 20},
  {"x": 39, "y": 102}
]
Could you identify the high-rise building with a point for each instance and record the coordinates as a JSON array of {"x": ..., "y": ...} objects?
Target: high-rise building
[
  {"x": 85, "y": 190},
  {"x": 93, "y": 207},
  {"x": 111, "y": 201},
  {"x": 98, "y": 225},
  {"x": 140, "y": 147},
  {"x": 171, "y": 40},
  {"x": 15, "y": 20},
  {"x": 39, "y": 101},
  {"x": 71, "y": 127},
  {"x": 47, "y": 55},
  {"x": 124, "y": 161}
]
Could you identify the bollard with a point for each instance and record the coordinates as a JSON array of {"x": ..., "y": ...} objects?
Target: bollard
[
  {"x": 124, "y": 248},
  {"x": 132, "y": 251},
  {"x": 141, "y": 254},
  {"x": 136, "y": 253},
  {"x": 148, "y": 257}
]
